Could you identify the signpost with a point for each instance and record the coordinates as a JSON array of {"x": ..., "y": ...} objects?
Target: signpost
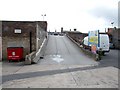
[{"x": 93, "y": 40}]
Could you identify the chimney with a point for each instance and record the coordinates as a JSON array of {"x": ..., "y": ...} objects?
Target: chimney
[
  {"x": 75, "y": 29},
  {"x": 61, "y": 29}
]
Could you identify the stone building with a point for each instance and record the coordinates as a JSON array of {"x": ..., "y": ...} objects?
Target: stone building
[
  {"x": 26, "y": 34},
  {"x": 114, "y": 35}
]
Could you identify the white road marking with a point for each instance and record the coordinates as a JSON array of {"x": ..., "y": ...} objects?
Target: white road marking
[{"x": 57, "y": 58}]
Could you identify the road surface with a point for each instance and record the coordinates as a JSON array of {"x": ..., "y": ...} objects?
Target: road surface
[
  {"x": 61, "y": 50},
  {"x": 110, "y": 59}
]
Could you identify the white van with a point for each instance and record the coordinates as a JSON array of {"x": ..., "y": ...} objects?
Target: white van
[{"x": 104, "y": 43}]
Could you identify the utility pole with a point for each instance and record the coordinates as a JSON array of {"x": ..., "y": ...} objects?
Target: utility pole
[{"x": 43, "y": 15}]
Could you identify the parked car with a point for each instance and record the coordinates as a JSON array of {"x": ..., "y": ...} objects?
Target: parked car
[
  {"x": 111, "y": 46},
  {"x": 55, "y": 33},
  {"x": 61, "y": 34}
]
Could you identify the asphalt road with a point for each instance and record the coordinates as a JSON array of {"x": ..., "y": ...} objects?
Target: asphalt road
[
  {"x": 110, "y": 59},
  {"x": 61, "y": 50}
]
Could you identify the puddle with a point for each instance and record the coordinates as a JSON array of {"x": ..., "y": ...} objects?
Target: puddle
[{"x": 57, "y": 58}]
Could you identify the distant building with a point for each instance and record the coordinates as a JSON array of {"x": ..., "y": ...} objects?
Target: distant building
[
  {"x": 26, "y": 34},
  {"x": 75, "y": 29},
  {"x": 114, "y": 35},
  {"x": 61, "y": 29}
]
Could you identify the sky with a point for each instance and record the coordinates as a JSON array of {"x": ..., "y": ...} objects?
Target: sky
[{"x": 83, "y": 15}]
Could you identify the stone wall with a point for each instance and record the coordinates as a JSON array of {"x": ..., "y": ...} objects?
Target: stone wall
[
  {"x": 17, "y": 42},
  {"x": 32, "y": 35},
  {"x": 41, "y": 33},
  {"x": 12, "y": 39},
  {"x": 77, "y": 36}
]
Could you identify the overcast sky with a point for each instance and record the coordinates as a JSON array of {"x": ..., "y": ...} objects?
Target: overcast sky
[{"x": 84, "y": 15}]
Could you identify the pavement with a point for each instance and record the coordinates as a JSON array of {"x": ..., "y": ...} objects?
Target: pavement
[
  {"x": 63, "y": 66},
  {"x": 51, "y": 76}
]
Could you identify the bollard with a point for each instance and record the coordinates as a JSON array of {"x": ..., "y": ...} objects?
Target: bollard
[
  {"x": 27, "y": 60},
  {"x": 100, "y": 53}
]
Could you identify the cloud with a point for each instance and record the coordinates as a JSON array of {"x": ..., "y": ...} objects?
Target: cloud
[{"x": 108, "y": 14}]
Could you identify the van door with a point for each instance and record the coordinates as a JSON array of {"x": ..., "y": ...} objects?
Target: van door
[{"x": 104, "y": 42}]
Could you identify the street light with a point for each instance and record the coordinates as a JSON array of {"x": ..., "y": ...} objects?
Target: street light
[
  {"x": 112, "y": 23},
  {"x": 43, "y": 15}
]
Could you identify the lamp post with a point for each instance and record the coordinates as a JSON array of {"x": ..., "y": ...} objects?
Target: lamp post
[
  {"x": 43, "y": 15},
  {"x": 112, "y": 23}
]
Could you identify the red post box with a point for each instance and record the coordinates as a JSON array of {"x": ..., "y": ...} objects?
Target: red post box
[{"x": 15, "y": 53}]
